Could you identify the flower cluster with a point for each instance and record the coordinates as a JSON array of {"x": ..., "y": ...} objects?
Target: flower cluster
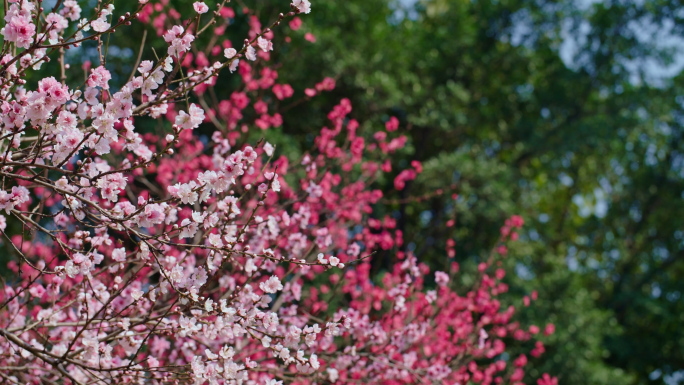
[
  {"x": 162, "y": 257},
  {"x": 19, "y": 27}
]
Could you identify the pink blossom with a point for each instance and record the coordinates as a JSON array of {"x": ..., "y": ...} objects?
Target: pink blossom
[
  {"x": 547, "y": 380},
  {"x": 192, "y": 120},
  {"x": 99, "y": 77},
  {"x": 250, "y": 53},
  {"x": 100, "y": 25},
  {"x": 179, "y": 41},
  {"x": 295, "y": 23},
  {"x": 265, "y": 44},
  {"x": 200, "y": 7},
  {"x": 549, "y": 329},
  {"x": 234, "y": 65},
  {"x": 441, "y": 278},
  {"x": 272, "y": 285},
  {"x": 392, "y": 124},
  {"x": 71, "y": 10},
  {"x": 19, "y": 27},
  {"x": 229, "y": 53},
  {"x": 283, "y": 91},
  {"x": 303, "y": 6}
]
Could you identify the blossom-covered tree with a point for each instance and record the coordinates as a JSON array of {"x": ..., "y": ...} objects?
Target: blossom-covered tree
[{"x": 160, "y": 257}]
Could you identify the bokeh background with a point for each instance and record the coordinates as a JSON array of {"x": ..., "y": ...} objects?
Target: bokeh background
[{"x": 567, "y": 112}]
